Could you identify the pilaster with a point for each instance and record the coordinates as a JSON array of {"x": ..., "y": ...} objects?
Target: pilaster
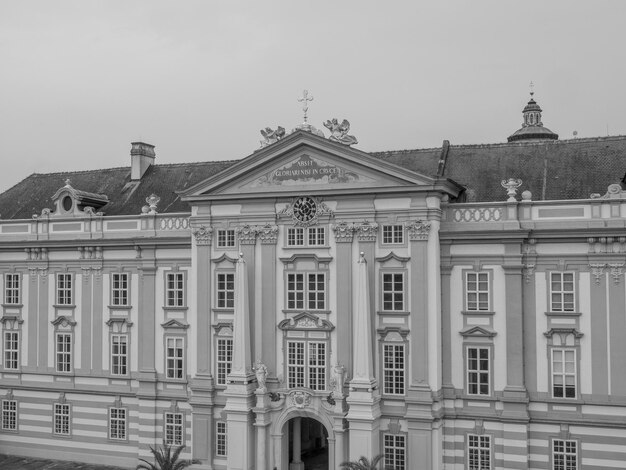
[
  {"x": 344, "y": 234},
  {"x": 265, "y": 335}
]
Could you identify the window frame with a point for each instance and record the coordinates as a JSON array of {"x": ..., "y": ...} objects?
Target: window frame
[
  {"x": 392, "y": 390},
  {"x": 564, "y": 349},
  {"x": 174, "y": 301},
  {"x": 10, "y": 415},
  {"x": 553, "y": 453},
  {"x": 69, "y": 354},
  {"x": 176, "y": 359},
  {"x": 118, "y": 420},
  {"x": 15, "y": 352},
  {"x": 478, "y": 371},
  {"x": 306, "y": 292},
  {"x": 477, "y": 292},
  {"x": 12, "y": 292},
  {"x": 480, "y": 450},
  {"x": 395, "y": 229},
  {"x": 224, "y": 362},
  {"x": 58, "y": 418},
  {"x": 223, "y": 238},
  {"x": 308, "y": 237},
  {"x": 64, "y": 295},
  {"x": 393, "y": 461},
  {"x": 562, "y": 293},
  {"x": 310, "y": 372},
  {"x": 221, "y": 439},
  {"x": 123, "y": 292},
  {"x": 383, "y": 292},
  {"x": 170, "y": 427},
  {"x": 225, "y": 291},
  {"x": 125, "y": 356}
]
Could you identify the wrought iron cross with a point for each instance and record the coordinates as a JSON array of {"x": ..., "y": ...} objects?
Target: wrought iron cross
[
  {"x": 305, "y": 105},
  {"x": 532, "y": 88}
]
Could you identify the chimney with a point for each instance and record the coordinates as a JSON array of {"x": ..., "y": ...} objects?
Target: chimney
[{"x": 141, "y": 157}]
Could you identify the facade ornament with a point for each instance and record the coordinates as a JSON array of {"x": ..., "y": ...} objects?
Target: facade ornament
[
  {"x": 339, "y": 132},
  {"x": 338, "y": 379},
  {"x": 418, "y": 230},
  {"x": 616, "y": 271},
  {"x": 597, "y": 271},
  {"x": 246, "y": 234},
  {"x": 271, "y": 136},
  {"x": 367, "y": 232},
  {"x": 45, "y": 214},
  {"x": 344, "y": 232},
  {"x": 260, "y": 371},
  {"x": 614, "y": 191},
  {"x": 305, "y": 211},
  {"x": 152, "y": 201},
  {"x": 529, "y": 271},
  {"x": 300, "y": 398},
  {"x": 511, "y": 186},
  {"x": 203, "y": 235},
  {"x": 268, "y": 234}
]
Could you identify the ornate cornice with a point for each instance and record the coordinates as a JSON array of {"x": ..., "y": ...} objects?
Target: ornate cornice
[
  {"x": 418, "y": 230},
  {"x": 306, "y": 321}
]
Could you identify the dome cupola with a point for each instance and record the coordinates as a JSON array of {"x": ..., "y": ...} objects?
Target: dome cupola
[{"x": 532, "y": 127}]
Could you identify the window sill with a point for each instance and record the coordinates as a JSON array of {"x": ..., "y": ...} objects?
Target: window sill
[
  {"x": 13, "y": 305},
  {"x": 477, "y": 397},
  {"x": 304, "y": 310},
  {"x": 178, "y": 307},
  {"x": 563, "y": 314},
  {"x": 120, "y": 307},
  {"x": 393, "y": 312},
  {"x": 223, "y": 310},
  {"x": 305, "y": 247},
  {"x": 478, "y": 312},
  {"x": 62, "y": 306}
]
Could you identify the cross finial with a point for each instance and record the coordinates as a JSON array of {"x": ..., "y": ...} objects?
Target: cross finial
[
  {"x": 305, "y": 105},
  {"x": 67, "y": 182},
  {"x": 532, "y": 88}
]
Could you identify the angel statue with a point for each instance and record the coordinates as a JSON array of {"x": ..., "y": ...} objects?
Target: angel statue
[
  {"x": 270, "y": 136},
  {"x": 339, "y": 132}
]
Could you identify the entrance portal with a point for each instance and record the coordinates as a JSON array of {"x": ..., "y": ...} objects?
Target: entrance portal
[{"x": 308, "y": 446}]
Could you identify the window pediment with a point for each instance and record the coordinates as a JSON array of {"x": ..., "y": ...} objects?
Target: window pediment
[
  {"x": 399, "y": 261},
  {"x": 477, "y": 331},
  {"x": 306, "y": 321},
  {"x": 63, "y": 323},
  {"x": 175, "y": 325}
]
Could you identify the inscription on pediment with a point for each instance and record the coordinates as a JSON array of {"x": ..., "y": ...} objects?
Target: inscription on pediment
[{"x": 309, "y": 170}]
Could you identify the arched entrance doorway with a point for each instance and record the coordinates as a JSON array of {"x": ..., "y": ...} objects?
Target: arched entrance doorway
[{"x": 308, "y": 445}]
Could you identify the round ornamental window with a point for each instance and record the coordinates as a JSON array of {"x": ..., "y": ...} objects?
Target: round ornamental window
[
  {"x": 67, "y": 203},
  {"x": 304, "y": 209}
]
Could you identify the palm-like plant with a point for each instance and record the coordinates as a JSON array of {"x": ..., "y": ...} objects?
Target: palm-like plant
[
  {"x": 364, "y": 464},
  {"x": 165, "y": 459}
]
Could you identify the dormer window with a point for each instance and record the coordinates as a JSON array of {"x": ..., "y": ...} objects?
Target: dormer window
[
  {"x": 70, "y": 201},
  {"x": 67, "y": 203}
]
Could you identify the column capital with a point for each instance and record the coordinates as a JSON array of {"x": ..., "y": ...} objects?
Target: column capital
[
  {"x": 246, "y": 235},
  {"x": 344, "y": 232},
  {"x": 366, "y": 231},
  {"x": 418, "y": 230},
  {"x": 268, "y": 234},
  {"x": 203, "y": 235}
]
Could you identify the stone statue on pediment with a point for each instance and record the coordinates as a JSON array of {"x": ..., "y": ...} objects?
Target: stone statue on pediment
[
  {"x": 339, "y": 132},
  {"x": 271, "y": 136}
]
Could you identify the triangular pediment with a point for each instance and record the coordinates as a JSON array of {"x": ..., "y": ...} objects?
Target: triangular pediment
[{"x": 306, "y": 162}]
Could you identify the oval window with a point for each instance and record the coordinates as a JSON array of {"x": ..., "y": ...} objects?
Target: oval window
[{"x": 67, "y": 203}]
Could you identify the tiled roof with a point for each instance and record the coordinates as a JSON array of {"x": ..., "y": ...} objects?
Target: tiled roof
[
  {"x": 555, "y": 169},
  {"x": 559, "y": 169}
]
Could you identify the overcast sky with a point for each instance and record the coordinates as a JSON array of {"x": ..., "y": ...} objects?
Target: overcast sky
[{"x": 80, "y": 80}]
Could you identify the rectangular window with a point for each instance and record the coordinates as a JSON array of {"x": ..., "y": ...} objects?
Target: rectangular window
[
  {"x": 564, "y": 454},
  {"x": 306, "y": 365},
  {"x": 478, "y": 452},
  {"x": 173, "y": 429},
  {"x": 477, "y": 291},
  {"x": 117, "y": 423},
  {"x": 175, "y": 290},
  {"x": 393, "y": 234},
  {"x": 119, "y": 354},
  {"x": 563, "y": 373},
  {"x": 64, "y": 289},
  {"x": 478, "y": 371},
  {"x": 120, "y": 289},
  {"x": 295, "y": 236},
  {"x": 11, "y": 288},
  {"x": 316, "y": 291},
  {"x": 221, "y": 449},
  {"x": 295, "y": 291},
  {"x": 394, "y": 447},
  {"x": 224, "y": 359},
  {"x": 393, "y": 291},
  {"x": 9, "y": 415},
  {"x": 225, "y": 290},
  {"x": 62, "y": 419},
  {"x": 226, "y": 238},
  {"x": 562, "y": 292},
  {"x": 174, "y": 358},
  {"x": 317, "y": 236},
  {"x": 64, "y": 352},
  {"x": 11, "y": 350},
  {"x": 393, "y": 369}
]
